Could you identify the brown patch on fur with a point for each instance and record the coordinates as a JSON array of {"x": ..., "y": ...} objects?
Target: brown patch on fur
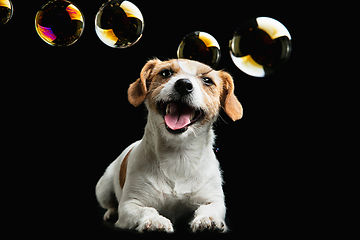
[
  {"x": 123, "y": 168},
  {"x": 211, "y": 96},
  {"x": 138, "y": 90}
]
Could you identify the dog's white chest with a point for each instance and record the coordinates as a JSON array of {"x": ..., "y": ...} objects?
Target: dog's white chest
[
  {"x": 177, "y": 189},
  {"x": 180, "y": 190},
  {"x": 177, "y": 202},
  {"x": 179, "y": 184}
]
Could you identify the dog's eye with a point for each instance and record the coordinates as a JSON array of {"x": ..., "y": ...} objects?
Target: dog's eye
[
  {"x": 207, "y": 81},
  {"x": 166, "y": 73}
]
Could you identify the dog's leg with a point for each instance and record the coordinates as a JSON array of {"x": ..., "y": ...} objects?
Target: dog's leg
[
  {"x": 105, "y": 193},
  {"x": 210, "y": 217},
  {"x": 132, "y": 215}
]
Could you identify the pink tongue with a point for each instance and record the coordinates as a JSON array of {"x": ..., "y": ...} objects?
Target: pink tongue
[{"x": 178, "y": 117}]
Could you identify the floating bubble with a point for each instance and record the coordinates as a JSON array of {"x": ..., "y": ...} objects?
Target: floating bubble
[
  {"x": 201, "y": 47},
  {"x": 6, "y": 11},
  {"x": 260, "y": 46},
  {"x": 119, "y": 24},
  {"x": 59, "y": 23}
]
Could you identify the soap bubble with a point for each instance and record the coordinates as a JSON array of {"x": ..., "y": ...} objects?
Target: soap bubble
[
  {"x": 6, "y": 11},
  {"x": 119, "y": 24},
  {"x": 201, "y": 47},
  {"x": 260, "y": 46},
  {"x": 59, "y": 23}
]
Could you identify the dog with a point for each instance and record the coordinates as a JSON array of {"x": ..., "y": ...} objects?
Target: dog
[{"x": 173, "y": 168}]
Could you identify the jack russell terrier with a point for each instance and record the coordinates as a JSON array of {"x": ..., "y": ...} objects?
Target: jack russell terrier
[{"x": 173, "y": 168}]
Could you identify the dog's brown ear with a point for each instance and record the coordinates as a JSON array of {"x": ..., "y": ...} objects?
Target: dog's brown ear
[
  {"x": 137, "y": 90},
  {"x": 229, "y": 101}
]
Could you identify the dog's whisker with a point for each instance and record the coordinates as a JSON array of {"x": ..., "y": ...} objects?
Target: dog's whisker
[
  {"x": 193, "y": 131},
  {"x": 151, "y": 90},
  {"x": 222, "y": 119}
]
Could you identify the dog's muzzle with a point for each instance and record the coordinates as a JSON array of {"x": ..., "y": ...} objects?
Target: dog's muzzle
[{"x": 178, "y": 115}]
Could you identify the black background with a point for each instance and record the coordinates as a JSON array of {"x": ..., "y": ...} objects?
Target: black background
[{"x": 68, "y": 117}]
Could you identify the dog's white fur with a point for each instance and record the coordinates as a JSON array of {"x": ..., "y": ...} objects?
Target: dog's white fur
[{"x": 168, "y": 174}]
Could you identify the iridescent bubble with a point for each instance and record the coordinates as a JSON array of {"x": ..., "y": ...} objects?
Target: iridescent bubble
[
  {"x": 6, "y": 11},
  {"x": 260, "y": 46},
  {"x": 201, "y": 47},
  {"x": 119, "y": 24},
  {"x": 59, "y": 23}
]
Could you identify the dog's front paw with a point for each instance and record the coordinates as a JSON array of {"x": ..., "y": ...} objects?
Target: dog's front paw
[
  {"x": 156, "y": 223},
  {"x": 201, "y": 223}
]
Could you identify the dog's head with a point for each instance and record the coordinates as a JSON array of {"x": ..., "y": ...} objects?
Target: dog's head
[{"x": 184, "y": 94}]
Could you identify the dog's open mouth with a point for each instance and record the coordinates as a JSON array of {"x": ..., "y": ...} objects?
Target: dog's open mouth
[{"x": 179, "y": 116}]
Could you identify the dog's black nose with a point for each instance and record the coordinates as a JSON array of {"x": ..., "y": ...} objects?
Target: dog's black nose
[{"x": 183, "y": 86}]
